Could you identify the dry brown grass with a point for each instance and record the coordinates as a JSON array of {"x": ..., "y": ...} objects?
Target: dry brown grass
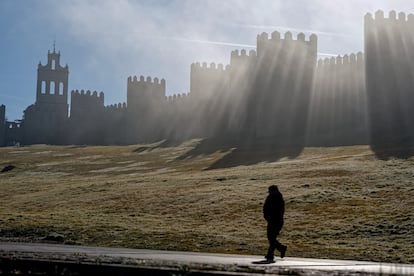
[{"x": 341, "y": 202}]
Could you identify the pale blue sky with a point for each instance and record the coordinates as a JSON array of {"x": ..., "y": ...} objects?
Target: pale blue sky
[{"x": 105, "y": 41}]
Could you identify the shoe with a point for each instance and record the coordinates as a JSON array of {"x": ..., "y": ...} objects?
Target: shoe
[
  {"x": 283, "y": 251},
  {"x": 264, "y": 262}
]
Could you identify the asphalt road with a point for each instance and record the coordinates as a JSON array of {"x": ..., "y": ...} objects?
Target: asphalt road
[{"x": 194, "y": 261}]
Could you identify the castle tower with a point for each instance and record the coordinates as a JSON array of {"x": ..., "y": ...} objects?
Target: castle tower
[
  {"x": 145, "y": 108},
  {"x": 86, "y": 117},
  {"x": 209, "y": 85},
  {"x": 243, "y": 75},
  {"x": 280, "y": 104},
  {"x": 389, "y": 44},
  {"x": 338, "y": 114}
]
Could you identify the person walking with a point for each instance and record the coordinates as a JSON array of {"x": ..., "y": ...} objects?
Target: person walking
[{"x": 273, "y": 212}]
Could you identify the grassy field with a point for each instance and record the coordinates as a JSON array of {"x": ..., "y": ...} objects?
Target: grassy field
[{"x": 340, "y": 202}]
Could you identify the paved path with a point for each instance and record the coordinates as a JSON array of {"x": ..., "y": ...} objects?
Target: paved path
[{"x": 224, "y": 263}]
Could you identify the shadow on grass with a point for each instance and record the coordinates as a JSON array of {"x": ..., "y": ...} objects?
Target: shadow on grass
[
  {"x": 238, "y": 152},
  {"x": 161, "y": 144},
  {"x": 242, "y": 152},
  {"x": 392, "y": 140},
  {"x": 393, "y": 151}
]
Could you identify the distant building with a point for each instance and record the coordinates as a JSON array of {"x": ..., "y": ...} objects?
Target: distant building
[
  {"x": 2, "y": 125},
  {"x": 10, "y": 132}
]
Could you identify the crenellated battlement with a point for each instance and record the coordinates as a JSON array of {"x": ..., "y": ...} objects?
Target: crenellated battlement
[
  {"x": 240, "y": 58},
  {"x": 143, "y": 80},
  {"x": 86, "y": 99},
  {"x": 243, "y": 53},
  {"x": 207, "y": 79},
  {"x": 270, "y": 46},
  {"x": 88, "y": 93},
  {"x": 276, "y": 37},
  {"x": 176, "y": 98},
  {"x": 392, "y": 17},
  {"x": 148, "y": 87},
  {"x": 116, "y": 107},
  {"x": 142, "y": 91},
  {"x": 342, "y": 60},
  {"x": 205, "y": 66}
]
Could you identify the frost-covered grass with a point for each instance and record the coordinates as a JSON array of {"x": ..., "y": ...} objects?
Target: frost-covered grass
[{"x": 340, "y": 202}]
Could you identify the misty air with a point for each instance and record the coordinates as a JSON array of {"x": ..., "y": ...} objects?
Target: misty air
[{"x": 289, "y": 150}]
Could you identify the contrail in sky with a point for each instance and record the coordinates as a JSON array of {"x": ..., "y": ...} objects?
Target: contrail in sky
[
  {"x": 327, "y": 55},
  {"x": 294, "y": 30},
  {"x": 219, "y": 43}
]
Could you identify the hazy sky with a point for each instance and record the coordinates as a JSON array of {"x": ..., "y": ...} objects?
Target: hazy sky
[{"x": 105, "y": 41}]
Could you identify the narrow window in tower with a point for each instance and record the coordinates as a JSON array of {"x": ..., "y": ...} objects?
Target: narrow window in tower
[
  {"x": 43, "y": 87},
  {"x": 53, "y": 64},
  {"x": 52, "y": 88},
  {"x": 60, "y": 88}
]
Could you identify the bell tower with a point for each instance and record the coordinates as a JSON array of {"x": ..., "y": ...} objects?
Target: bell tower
[
  {"x": 45, "y": 122},
  {"x": 52, "y": 84}
]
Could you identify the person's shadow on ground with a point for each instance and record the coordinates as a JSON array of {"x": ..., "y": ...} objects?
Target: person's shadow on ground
[{"x": 264, "y": 262}]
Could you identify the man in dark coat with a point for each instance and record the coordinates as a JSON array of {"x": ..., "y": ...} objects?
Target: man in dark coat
[{"x": 273, "y": 211}]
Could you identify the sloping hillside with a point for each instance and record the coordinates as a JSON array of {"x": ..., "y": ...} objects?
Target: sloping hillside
[{"x": 340, "y": 202}]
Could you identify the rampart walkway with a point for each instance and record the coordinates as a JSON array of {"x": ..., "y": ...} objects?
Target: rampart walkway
[{"x": 86, "y": 260}]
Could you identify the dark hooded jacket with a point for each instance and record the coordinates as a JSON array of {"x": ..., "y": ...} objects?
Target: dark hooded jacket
[{"x": 274, "y": 208}]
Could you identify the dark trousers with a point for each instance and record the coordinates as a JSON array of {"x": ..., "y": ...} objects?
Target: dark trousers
[{"x": 273, "y": 230}]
